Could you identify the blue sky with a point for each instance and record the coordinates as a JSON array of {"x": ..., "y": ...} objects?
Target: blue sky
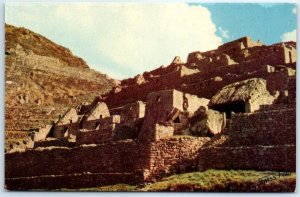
[
  {"x": 123, "y": 40},
  {"x": 267, "y": 22}
]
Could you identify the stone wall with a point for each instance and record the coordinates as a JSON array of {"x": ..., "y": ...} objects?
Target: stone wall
[
  {"x": 99, "y": 110},
  {"x": 271, "y": 158},
  {"x": 96, "y": 136},
  {"x": 65, "y": 130},
  {"x": 130, "y": 113},
  {"x": 264, "y": 140},
  {"x": 292, "y": 90},
  {"x": 144, "y": 162},
  {"x": 161, "y": 131},
  {"x": 84, "y": 166},
  {"x": 101, "y": 123},
  {"x": 73, "y": 181},
  {"x": 174, "y": 155},
  {"x": 63, "y": 142},
  {"x": 159, "y": 105},
  {"x": 69, "y": 117},
  {"x": 135, "y": 162},
  {"x": 271, "y": 127},
  {"x": 117, "y": 157},
  {"x": 275, "y": 81},
  {"x": 197, "y": 83}
]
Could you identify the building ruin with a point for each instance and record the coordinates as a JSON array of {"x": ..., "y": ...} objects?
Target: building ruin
[{"x": 229, "y": 108}]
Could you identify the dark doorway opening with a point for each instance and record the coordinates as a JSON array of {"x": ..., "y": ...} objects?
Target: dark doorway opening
[{"x": 236, "y": 107}]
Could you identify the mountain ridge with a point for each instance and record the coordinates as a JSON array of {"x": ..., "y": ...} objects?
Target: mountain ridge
[{"x": 21, "y": 35}]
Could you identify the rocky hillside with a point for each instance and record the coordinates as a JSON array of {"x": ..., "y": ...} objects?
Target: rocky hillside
[{"x": 42, "y": 80}]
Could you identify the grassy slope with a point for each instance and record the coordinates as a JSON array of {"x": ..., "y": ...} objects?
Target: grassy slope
[
  {"x": 212, "y": 181},
  {"x": 222, "y": 180}
]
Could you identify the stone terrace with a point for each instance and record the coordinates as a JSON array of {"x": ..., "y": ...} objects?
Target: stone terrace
[{"x": 229, "y": 108}]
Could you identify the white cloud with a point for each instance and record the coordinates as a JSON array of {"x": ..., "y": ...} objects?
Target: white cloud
[
  {"x": 289, "y": 36},
  {"x": 224, "y": 33},
  {"x": 126, "y": 39}
]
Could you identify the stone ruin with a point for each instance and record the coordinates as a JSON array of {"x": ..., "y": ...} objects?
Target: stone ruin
[
  {"x": 230, "y": 108},
  {"x": 244, "y": 96},
  {"x": 165, "y": 114}
]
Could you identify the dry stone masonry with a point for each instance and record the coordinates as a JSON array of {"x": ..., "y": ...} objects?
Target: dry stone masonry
[{"x": 229, "y": 108}]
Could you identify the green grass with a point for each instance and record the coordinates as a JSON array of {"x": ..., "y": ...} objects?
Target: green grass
[
  {"x": 210, "y": 181},
  {"x": 112, "y": 188},
  {"x": 223, "y": 180}
]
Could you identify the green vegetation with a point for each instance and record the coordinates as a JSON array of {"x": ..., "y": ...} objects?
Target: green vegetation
[
  {"x": 113, "y": 188},
  {"x": 212, "y": 181},
  {"x": 224, "y": 180}
]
